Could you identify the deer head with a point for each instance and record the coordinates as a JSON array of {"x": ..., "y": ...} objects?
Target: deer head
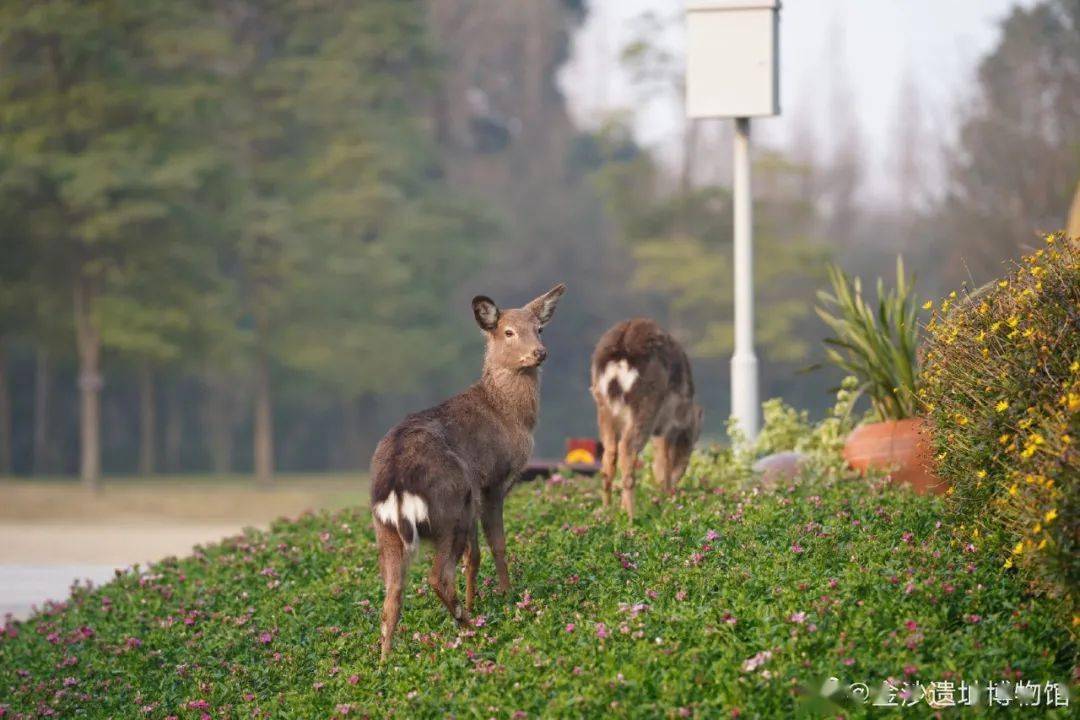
[{"x": 513, "y": 336}]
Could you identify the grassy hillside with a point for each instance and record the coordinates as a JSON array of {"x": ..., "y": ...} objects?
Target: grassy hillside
[{"x": 720, "y": 604}]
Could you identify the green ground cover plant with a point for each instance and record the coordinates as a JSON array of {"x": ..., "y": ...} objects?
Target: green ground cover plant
[{"x": 725, "y": 602}]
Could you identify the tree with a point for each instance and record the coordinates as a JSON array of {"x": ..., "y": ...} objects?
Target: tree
[
  {"x": 845, "y": 168},
  {"x": 345, "y": 237},
  {"x": 93, "y": 138},
  {"x": 1017, "y": 157},
  {"x": 681, "y": 242}
]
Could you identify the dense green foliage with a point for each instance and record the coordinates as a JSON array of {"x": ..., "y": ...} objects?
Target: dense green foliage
[
  {"x": 719, "y": 602},
  {"x": 1002, "y": 393},
  {"x": 875, "y": 344},
  {"x": 230, "y": 192}
]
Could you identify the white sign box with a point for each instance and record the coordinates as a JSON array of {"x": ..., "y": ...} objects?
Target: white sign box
[{"x": 732, "y": 58}]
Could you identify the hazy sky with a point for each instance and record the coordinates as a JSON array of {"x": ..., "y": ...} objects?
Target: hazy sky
[{"x": 878, "y": 42}]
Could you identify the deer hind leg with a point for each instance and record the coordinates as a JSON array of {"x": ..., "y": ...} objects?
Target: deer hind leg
[
  {"x": 609, "y": 439},
  {"x": 472, "y": 567},
  {"x": 629, "y": 446},
  {"x": 393, "y": 562},
  {"x": 443, "y": 577},
  {"x": 661, "y": 464}
]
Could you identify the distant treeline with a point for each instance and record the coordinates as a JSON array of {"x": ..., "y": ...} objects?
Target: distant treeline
[{"x": 243, "y": 235}]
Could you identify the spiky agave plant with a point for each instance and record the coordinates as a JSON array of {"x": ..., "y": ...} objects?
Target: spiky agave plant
[{"x": 875, "y": 344}]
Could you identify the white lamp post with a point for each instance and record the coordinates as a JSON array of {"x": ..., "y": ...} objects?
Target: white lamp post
[{"x": 732, "y": 70}]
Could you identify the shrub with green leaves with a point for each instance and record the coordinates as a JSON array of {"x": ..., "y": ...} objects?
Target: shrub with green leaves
[
  {"x": 876, "y": 344},
  {"x": 1001, "y": 387}
]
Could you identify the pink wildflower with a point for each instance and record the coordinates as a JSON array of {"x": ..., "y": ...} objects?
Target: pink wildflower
[{"x": 753, "y": 663}]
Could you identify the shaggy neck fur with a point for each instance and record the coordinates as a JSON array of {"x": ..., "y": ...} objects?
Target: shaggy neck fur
[{"x": 515, "y": 393}]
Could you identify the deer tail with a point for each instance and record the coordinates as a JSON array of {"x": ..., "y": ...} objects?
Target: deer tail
[{"x": 404, "y": 511}]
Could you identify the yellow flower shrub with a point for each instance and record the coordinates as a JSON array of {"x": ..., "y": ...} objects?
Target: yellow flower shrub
[{"x": 1001, "y": 391}]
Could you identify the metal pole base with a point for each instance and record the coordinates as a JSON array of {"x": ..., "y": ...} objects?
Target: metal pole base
[{"x": 744, "y": 393}]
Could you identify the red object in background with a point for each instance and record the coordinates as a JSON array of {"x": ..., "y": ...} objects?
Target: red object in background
[
  {"x": 589, "y": 445},
  {"x": 582, "y": 457}
]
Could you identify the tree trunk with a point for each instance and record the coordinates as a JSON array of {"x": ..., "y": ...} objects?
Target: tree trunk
[
  {"x": 147, "y": 420},
  {"x": 264, "y": 424},
  {"x": 350, "y": 434},
  {"x": 88, "y": 340},
  {"x": 174, "y": 428},
  {"x": 42, "y": 380},
  {"x": 219, "y": 422},
  {"x": 5, "y": 414}
]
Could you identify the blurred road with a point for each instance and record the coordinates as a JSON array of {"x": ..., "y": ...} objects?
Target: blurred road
[
  {"x": 54, "y": 531},
  {"x": 24, "y": 586},
  {"x": 40, "y": 561}
]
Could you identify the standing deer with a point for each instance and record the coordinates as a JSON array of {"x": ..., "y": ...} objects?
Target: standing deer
[
  {"x": 643, "y": 387},
  {"x": 439, "y": 469}
]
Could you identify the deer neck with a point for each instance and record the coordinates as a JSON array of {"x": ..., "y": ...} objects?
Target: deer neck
[{"x": 514, "y": 393}]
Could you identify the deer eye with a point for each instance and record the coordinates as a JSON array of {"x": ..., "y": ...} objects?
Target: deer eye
[{"x": 509, "y": 332}]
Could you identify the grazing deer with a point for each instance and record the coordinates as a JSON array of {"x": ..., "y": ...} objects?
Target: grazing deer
[
  {"x": 643, "y": 387},
  {"x": 435, "y": 472}
]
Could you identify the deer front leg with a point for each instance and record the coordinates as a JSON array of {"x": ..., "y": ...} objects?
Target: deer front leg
[
  {"x": 472, "y": 568},
  {"x": 610, "y": 440},
  {"x": 629, "y": 447},
  {"x": 491, "y": 517},
  {"x": 661, "y": 465}
]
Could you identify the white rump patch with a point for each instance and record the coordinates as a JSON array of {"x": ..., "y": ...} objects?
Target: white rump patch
[
  {"x": 620, "y": 371},
  {"x": 414, "y": 508},
  {"x": 410, "y": 506},
  {"x": 387, "y": 510}
]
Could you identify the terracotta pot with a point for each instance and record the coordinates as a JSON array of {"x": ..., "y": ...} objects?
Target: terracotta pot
[{"x": 901, "y": 447}]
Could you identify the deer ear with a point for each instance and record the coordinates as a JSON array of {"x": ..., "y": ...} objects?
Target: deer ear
[
  {"x": 543, "y": 307},
  {"x": 486, "y": 312}
]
